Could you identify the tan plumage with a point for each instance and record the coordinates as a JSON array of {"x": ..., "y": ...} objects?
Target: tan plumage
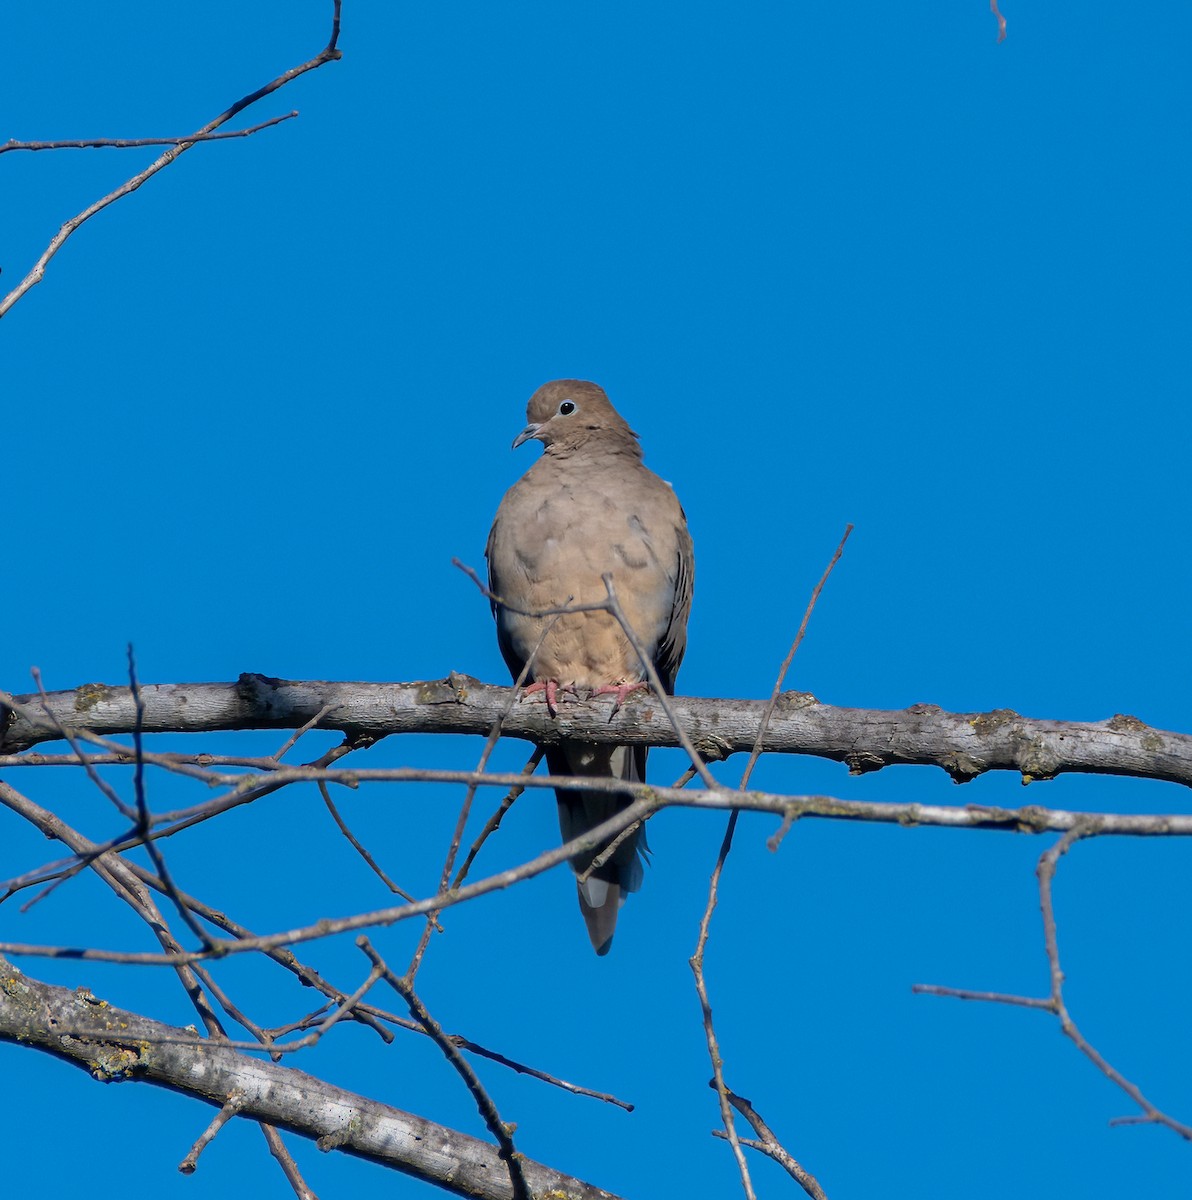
[{"x": 589, "y": 506}]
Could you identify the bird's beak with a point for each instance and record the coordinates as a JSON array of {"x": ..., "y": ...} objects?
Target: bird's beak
[{"x": 530, "y": 431}]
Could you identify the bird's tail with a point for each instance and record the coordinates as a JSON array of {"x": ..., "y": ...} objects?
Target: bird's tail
[{"x": 603, "y": 892}]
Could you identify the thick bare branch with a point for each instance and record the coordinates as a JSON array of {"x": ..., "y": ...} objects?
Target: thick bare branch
[
  {"x": 114, "y": 1045},
  {"x": 963, "y": 744}
]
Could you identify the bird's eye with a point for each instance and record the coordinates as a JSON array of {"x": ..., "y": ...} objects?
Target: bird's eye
[{"x": 566, "y": 408}]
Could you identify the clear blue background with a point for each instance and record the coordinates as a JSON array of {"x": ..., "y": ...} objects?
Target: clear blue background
[{"x": 848, "y": 262}]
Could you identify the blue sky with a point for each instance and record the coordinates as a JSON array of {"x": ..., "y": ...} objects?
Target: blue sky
[{"x": 834, "y": 263}]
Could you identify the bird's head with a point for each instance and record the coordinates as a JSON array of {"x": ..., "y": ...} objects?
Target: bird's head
[{"x": 567, "y": 413}]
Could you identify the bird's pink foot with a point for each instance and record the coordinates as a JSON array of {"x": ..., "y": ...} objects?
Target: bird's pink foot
[
  {"x": 550, "y": 689},
  {"x": 621, "y": 691}
]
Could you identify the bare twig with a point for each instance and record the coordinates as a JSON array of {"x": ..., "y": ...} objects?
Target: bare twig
[
  {"x": 607, "y": 853},
  {"x": 772, "y": 703},
  {"x": 688, "y": 775},
  {"x": 346, "y": 1008},
  {"x": 1028, "y": 819},
  {"x": 245, "y": 790},
  {"x": 302, "y": 729},
  {"x": 283, "y": 957},
  {"x": 365, "y": 1014},
  {"x": 1054, "y": 1002},
  {"x": 1001, "y": 21},
  {"x": 328, "y": 54},
  {"x": 724, "y": 1095},
  {"x": 144, "y": 821},
  {"x": 494, "y": 822},
  {"x": 102, "y": 784},
  {"x": 119, "y": 876},
  {"x": 1048, "y": 862},
  {"x": 208, "y": 980},
  {"x": 770, "y": 1145},
  {"x": 932, "y": 989},
  {"x": 649, "y": 800},
  {"x": 696, "y": 963},
  {"x": 136, "y": 143},
  {"x": 234, "y": 1103},
  {"x": 488, "y": 1110},
  {"x": 490, "y": 745},
  {"x": 660, "y": 692},
  {"x": 552, "y": 857},
  {"x": 358, "y": 846},
  {"x": 285, "y": 1160}
]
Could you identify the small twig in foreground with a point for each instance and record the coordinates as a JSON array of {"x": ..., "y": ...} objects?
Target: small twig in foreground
[
  {"x": 233, "y": 1104},
  {"x": 285, "y": 1160}
]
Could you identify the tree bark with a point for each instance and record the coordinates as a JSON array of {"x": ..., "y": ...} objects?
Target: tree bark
[
  {"x": 963, "y": 744},
  {"x": 117, "y": 1046}
]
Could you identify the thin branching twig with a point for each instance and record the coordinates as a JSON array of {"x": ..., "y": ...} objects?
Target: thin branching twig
[
  {"x": 329, "y": 53},
  {"x": 488, "y": 1110},
  {"x": 137, "y": 143},
  {"x": 1054, "y": 1002}
]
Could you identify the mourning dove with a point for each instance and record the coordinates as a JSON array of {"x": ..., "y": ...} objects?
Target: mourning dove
[{"x": 588, "y": 507}]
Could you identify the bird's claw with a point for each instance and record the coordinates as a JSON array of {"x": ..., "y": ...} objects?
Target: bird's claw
[
  {"x": 620, "y": 691},
  {"x": 550, "y": 691}
]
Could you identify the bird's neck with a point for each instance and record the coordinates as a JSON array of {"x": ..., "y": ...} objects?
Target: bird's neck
[{"x": 597, "y": 446}]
